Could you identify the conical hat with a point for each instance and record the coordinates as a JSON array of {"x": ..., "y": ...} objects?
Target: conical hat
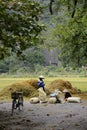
[{"x": 65, "y": 90}]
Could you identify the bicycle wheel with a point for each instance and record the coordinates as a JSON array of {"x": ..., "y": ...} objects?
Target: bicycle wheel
[{"x": 13, "y": 105}]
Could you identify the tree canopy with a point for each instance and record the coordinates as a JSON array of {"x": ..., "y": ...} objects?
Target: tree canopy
[
  {"x": 19, "y": 26},
  {"x": 72, "y": 40},
  {"x": 72, "y": 5}
]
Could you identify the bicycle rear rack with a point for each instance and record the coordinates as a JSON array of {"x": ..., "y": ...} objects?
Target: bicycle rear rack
[{"x": 15, "y": 95}]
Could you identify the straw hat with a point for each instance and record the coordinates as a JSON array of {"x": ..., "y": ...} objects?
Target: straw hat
[
  {"x": 41, "y": 77},
  {"x": 65, "y": 90}
]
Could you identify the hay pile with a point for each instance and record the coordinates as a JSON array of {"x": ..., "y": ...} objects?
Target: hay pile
[
  {"x": 61, "y": 85},
  {"x": 29, "y": 88}
]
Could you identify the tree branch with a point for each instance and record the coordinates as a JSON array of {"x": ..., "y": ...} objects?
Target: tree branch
[
  {"x": 50, "y": 6},
  {"x": 74, "y": 9}
]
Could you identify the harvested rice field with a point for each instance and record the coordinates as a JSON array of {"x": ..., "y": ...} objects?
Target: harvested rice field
[
  {"x": 29, "y": 85},
  {"x": 43, "y": 116}
]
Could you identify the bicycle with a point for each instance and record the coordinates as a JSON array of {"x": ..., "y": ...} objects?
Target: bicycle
[{"x": 17, "y": 101}]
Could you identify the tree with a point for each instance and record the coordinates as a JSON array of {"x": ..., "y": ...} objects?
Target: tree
[
  {"x": 34, "y": 56},
  {"x": 19, "y": 26},
  {"x": 72, "y": 39},
  {"x": 12, "y": 64},
  {"x": 72, "y": 5}
]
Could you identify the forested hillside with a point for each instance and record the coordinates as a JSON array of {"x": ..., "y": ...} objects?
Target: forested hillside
[{"x": 39, "y": 34}]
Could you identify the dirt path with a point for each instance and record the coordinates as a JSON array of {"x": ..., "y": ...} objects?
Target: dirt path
[{"x": 67, "y": 116}]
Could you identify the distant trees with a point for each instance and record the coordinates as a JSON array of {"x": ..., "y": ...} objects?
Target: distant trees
[
  {"x": 32, "y": 57},
  {"x": 19, "y": 26}
]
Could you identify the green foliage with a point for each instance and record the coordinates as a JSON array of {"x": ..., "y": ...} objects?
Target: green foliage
[
  {"x": 3, "y": 67},
  {"x": 69, "y": 20},
  {"x": 47, "y": 71},
  {"x": 13, "y": 64},
  {"x": 19, "y": 27},
  {"x": 72, "y": 39},
  {"x": 34, "y": 56}
]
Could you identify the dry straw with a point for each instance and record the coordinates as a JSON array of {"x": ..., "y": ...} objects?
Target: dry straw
[{"x": 29, "y": 88}]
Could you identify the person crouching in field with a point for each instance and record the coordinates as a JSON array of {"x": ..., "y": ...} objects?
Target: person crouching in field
[
  {"x": 41, "y": 89},
  {"x": 67, "y": 94}
]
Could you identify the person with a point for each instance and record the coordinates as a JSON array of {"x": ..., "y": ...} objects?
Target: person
[
  {"x": 67, "y": 94},
  {"x": 41, "y": 89},
  {"x": 41, "y": 83},
  {"x": 56, "y": 94}
]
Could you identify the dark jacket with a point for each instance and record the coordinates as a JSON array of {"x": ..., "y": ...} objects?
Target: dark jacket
[
  {"x": 41, "y": 84},
  {"x": 67, "y": 94}
]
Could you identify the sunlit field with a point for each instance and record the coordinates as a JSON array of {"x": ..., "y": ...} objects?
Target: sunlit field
[
  {"x": 80, "y": 83},
  {"x": 8, "y": 81}
]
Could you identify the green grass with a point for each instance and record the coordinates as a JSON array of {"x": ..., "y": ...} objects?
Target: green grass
[
  {"x": 80, "y": 85},
  {"x": 8, "y": 81},
  {"x": 77, "y": 82}
]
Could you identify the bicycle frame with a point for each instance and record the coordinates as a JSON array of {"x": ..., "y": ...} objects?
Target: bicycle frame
[{"x": 17, "y": 101}]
